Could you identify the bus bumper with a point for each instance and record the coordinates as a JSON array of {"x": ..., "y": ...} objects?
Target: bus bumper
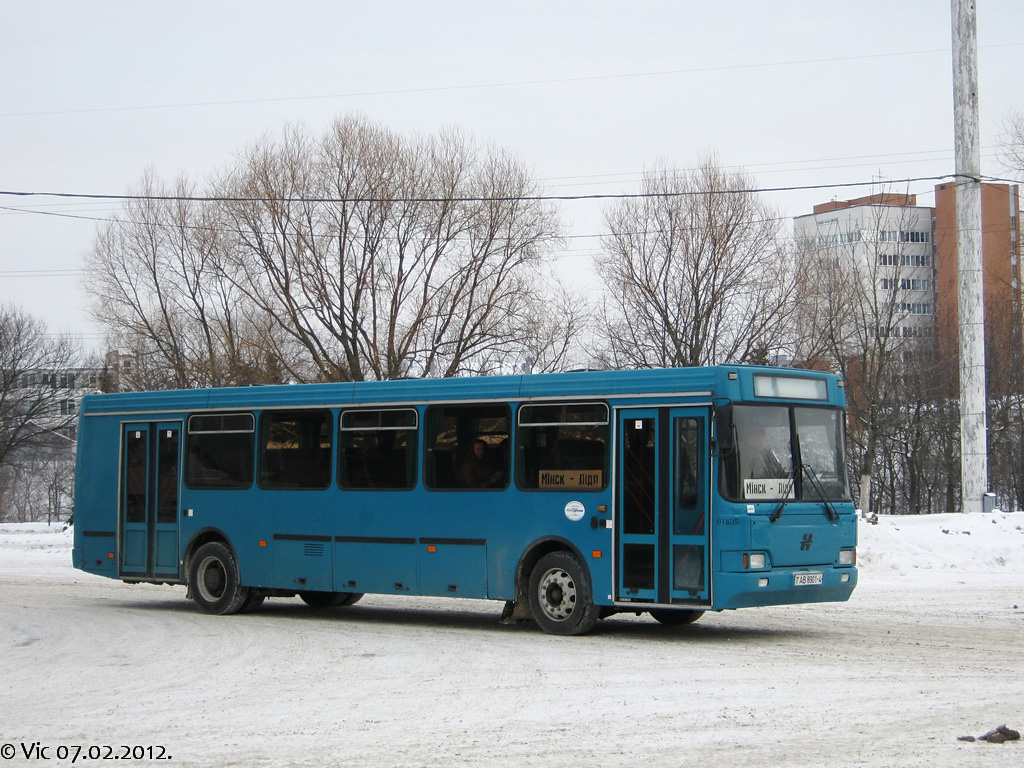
[{"x": 781, "y": 586}]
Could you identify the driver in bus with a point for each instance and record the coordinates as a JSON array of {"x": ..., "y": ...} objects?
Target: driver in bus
[{"x": 759, "y": 461}]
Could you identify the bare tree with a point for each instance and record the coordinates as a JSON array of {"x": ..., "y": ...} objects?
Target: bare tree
[
  {"x": 158, "y": 287},
  {"x": 916, "y": 468},
  {"x": 552, "y": 331},
  {"x": 360, "y": 254},
  {"x": 1011, "y": 143},
  {"x": 32, "y": 395},
  {"x": 383, "y": 256},
  {"x": 696, "y": 273},
  {"x": 1004, "y": 352},
  {"x": 857, "y": 305},
  {"x": 38, "y": 488}
]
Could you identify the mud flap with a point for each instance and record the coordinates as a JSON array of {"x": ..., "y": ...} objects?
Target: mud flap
[{"x": 515, "y": 612}]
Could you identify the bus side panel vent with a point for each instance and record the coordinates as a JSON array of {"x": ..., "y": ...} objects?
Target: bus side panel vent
[{"x": 313, "y": 549}]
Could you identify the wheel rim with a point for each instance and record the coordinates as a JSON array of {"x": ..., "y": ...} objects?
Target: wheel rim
[
  {"x": 212, "y": 579},
  {"x": 557, "y": 594}
]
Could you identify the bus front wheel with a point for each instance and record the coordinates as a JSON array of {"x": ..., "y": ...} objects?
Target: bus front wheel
[
  {"x": 213, "y": 580},
  {"x": 560, "y": 595}
]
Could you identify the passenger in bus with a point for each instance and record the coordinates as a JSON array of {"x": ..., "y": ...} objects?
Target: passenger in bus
[
  {"x": 759, "y": 461},
  {"x": 479, "y": 470}
]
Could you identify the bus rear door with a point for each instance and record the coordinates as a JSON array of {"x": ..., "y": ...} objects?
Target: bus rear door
[
  {"x": 149, "y": 508},
  {"x": 662, "y": 506}
]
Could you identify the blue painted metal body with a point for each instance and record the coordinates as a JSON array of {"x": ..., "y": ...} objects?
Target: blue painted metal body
[{"x": 467, "y": 543}]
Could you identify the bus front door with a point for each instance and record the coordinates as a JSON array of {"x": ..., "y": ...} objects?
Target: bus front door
[
  {"x": 150, "y": 485},
  {"x": 662, "y": 506}
]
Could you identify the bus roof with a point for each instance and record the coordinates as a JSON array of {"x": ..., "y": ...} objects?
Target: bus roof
[{"x": 611, "y": 384}]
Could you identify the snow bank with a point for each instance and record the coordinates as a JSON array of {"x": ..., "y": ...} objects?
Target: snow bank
[
  {"x": 35, "y": 549},
  {"x": 981, "y": 544},
  {"x": 22, "y": 536}
]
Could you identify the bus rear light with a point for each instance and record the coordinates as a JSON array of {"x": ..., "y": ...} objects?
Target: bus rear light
[{"x": 847, "y": 556}]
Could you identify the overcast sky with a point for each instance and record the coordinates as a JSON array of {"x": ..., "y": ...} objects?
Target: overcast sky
[{"x": 799, "y": 92}]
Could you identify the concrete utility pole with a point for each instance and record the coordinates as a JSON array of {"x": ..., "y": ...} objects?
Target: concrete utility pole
[{"x": 971, "y": 288}]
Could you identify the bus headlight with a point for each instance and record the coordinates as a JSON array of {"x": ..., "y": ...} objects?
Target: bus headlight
[
  {"x": 754, "y": 561},
  {"x": 847, "y": 556}
]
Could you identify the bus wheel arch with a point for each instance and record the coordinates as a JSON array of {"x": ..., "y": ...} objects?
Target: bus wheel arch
[
  {"x": 214, "y": 582},
  {"x": 204, "y": 536},
  {"x": 525, "y": 567},
  {"x": 554, "y": 588}
]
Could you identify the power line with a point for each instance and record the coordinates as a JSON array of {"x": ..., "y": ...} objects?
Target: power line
[
  {"x": 505, "y": 84},
  {"x": 509, "y": 198},
  {"x": 41, "y": 273},
  {"x": 676, "y": 173},
  {"x": 746, "y": 166},
  {"x": 196, "y": 227}
]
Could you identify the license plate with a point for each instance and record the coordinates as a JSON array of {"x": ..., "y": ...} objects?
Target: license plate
[{"x": 808, "y": 579}]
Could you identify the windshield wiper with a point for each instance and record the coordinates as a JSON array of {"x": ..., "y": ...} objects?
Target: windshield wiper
[
  {"x": 778, "y": 511},
  {"x": 811, "y": 475}
]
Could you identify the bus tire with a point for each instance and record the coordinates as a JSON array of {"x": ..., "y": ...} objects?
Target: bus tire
[
  {"x": 329, "y": 599},
  {"x": 254, "y": 601},
  {"x": 213, "y": 580},
  {"x": 672, "y": 618},
  {"x": 560, "y": 595}
]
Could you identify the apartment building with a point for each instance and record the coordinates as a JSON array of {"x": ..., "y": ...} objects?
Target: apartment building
[{"x": 890, "y": 241}]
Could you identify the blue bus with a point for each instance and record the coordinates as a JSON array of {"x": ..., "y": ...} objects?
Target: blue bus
[{"x": 568, "y": 496}]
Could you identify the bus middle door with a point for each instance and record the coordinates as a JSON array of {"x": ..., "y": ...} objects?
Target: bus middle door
[
  {"x": 149, "y": 504},
  {"x": 662, "y": 506}
]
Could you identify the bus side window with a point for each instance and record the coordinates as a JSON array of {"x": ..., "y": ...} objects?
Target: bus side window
[
  {"x": 467, "y": 447},
  {"x": 220, "y": 451},
  {"x": 377, "y": 449},
  {"x": 563, "y": 447},
  {"x": 295, "y": 450}
]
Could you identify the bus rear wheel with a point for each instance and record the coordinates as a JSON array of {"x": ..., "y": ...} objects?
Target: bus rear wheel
[
  {"x": 560, "y": 595},
  {"x": 213, "y": 580},
  {"x": 330, "y": 599},
  {"x": 676, "y": 618}
]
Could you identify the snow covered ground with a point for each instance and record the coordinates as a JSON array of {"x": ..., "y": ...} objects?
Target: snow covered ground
[{"x": 931, "y": 647}]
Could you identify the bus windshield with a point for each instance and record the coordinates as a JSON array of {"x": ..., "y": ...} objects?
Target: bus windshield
[
  {"x": 783, "y": 452},
  {"x": 819, "y": 434}
]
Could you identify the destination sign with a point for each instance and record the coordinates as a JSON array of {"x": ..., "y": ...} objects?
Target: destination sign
[
  {"x": 571, "y": 479},
  {"x": 768, "y": 488}
]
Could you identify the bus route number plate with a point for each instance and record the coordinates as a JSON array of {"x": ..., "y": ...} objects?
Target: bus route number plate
[{"x": 808, "y": 579}]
